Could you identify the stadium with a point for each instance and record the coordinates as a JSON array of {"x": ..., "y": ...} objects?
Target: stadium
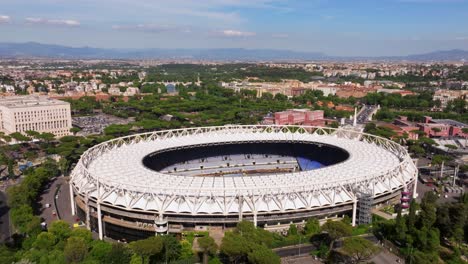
[{"x": 212, "y": 177}]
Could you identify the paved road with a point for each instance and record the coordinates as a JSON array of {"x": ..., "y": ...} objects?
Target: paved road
[
  {"x": 363, "y": 116},
  {"x": 5, "y": 231},
  {"x": 62, "y": 199},
  {"x": 386, "y": 257},
  {"x": 303, "y": 259},
  {"x": 297, "y": 250}
]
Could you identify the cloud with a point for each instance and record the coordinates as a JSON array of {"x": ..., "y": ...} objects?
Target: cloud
[
  {"x": 234, "y": 33},
  {"x": 280, "y": 35},
  {"x": 57, "y": 22},
  {"x": 220, "y": 11},
  {"x": 4, "y": 19},
  {"x": 153, "y": 28}
]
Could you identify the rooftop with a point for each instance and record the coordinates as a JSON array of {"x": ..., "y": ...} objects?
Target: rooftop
[
  {"x": 29, "y": 101},
  {"x": 449, "y": 122}
]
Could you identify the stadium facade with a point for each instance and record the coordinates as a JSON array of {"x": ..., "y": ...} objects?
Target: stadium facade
[{"x": 193, "y": 178}]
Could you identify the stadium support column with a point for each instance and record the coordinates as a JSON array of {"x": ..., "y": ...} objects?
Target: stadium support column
[
  {"x": 88, "y": 224},
  {"x": 240, "y": 208},
  {"x": 72, "y": 199},
  {"x": 353, "y": 223},
  {"x": 255, "y": 218},
  {"x": 99, "y": 218},
  {"x": 415, "y": 187}
]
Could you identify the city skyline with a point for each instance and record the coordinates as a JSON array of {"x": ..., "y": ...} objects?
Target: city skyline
[{"x": 360, "y": 28}]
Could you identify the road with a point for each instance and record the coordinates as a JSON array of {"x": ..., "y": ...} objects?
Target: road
[
  {"x": 303, "y": 249},
  {"x": 363, "y": 116},
  {"x": 62, "y": 201},
  {"x": 386, "y": 257},
  {"x": 5, "y": 228}
]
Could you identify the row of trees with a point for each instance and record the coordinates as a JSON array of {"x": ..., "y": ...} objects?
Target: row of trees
[
  {"x": 430, "y": 231},
  {"x": 22, "y": 198},
  {"x": 386, "y": 114},
  {"x": 209, "y": 105},
  {"x": 30, "y": 135},
  {"x": 422, "y": 100},
  {"x": 225, "y": 72},
  {"x": 62, "y": 244}
]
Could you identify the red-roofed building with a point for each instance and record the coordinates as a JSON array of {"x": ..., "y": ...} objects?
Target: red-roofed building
[
  {"x": 298, "y": 117},
  {"x": 442, "y": 127}
]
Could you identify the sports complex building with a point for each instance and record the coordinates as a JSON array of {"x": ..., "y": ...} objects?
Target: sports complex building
[{"x": 194, "y": 178}]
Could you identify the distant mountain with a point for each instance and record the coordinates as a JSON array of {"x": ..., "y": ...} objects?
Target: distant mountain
[
  {"x": 442, "y": 55},
  {"x": 33, "y": 49}
]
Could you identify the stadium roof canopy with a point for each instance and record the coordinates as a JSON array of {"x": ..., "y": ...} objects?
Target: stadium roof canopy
[{"x": 113, "y": 171}]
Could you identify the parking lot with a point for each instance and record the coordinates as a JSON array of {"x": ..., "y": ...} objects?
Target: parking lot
[{"x": 95, "y": 124}]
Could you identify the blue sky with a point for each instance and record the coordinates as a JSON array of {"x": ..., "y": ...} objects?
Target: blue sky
[{"x": 335, "y": 27}]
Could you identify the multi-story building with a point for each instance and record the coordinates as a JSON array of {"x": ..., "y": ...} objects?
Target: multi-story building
[
  {"x": 442, "y": 127},
  {"x": 36, "y": 113},
  {"x": 446, "y": 96},
  {"x": 401, "y": 126},
  {"x": 298, "y": 117}
]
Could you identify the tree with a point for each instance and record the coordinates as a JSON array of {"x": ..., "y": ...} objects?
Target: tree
[
  {"x": 32, "y": 133},
  {"x": 47, "y": 137},
  {"x": 22, "y": 217},
  {"x": 6, "y": 254},
  {"x": 119, "y": 254},
  {"x": 75, "y": 130},
  {"x": 235, "y": 246},
  {"x": 147, "y": 248},
  {"x": 427, "y": 141},
  {"x": 75, "y": 250},
  {"x": 458, "y": 105},
  {"x": 436, "y": 130},
  {"x": 263, "y": 255},
  {"x": 400, "y": 228},
  {"x": 117, "y": 130},
  {"x": 186, "y": 250},
  {"x": 172, "y": 248},
  {"x": 60, "y": 229},
  {"x": 359, "y": 249},
  {"x": 45, "y": 241},
  {"x": 292, "y": 230},
  {"x": 312, "y": 227},
  {"x": 412, "y": 215},
  {"x": 428, "y": 210},
  {"x": 100, "y": 251},
  {"x": 83, "y": 233},
  {"x": 19, "y": 137},
  {"x": 208, "y": 246},
  {"x": 418, "y": 150},
  {"x": 54, "y": 256},
  {"x": 438, "y": 159},
  {"x": 337, "y": 229}
]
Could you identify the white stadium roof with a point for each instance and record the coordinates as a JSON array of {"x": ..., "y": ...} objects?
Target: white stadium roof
[{"x": 113, "y": 172}]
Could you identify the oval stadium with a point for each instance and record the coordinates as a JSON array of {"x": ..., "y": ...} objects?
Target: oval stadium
[{"x": 212, "y": 177}]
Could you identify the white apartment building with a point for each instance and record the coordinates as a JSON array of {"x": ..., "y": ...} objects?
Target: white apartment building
[
  {"x": 37, "y": 113},
  {"x": 446, "y": 96}
]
